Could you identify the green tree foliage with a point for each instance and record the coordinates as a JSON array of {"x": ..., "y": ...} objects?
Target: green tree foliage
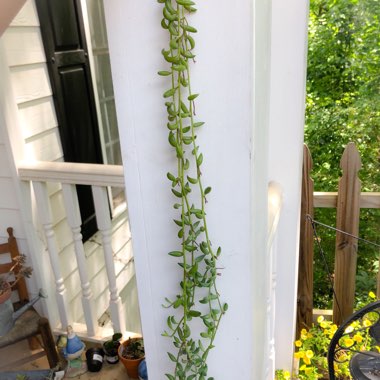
[{"x": 343, "y": 105}]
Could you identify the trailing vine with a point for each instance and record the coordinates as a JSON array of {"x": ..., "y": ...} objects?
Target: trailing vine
[{"x": 198, "y": 298}]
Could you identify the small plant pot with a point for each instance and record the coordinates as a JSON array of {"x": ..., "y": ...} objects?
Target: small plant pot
[
  {"x": 94, "y": 358},
  {"x": 131, "y": 365},
  {"x": 111, "y": 356}
]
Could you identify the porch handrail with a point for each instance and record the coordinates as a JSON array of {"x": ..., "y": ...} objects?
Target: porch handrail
[
  {"x": 72, "y": 173},
  {"x": 100, "y": 177}
]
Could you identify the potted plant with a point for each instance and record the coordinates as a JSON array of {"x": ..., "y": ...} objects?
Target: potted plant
[
  {"x": 17, "y": 271},
  {"x": 131, "y": 353},
  {"x": 110, "y": 348}
]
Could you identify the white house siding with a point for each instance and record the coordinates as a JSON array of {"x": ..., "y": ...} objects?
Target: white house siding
[{"x": 24, "y": 53}]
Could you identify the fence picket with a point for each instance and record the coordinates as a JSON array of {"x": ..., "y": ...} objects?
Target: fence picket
[
  {"x": 305, "y": 281},
  {"x": 348, "y": 213}
]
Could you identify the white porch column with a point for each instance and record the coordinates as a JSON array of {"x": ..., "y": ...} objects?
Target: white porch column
[
  {"x": 223, "y": 76},
  {"x": 287, "y": 107},
  {"x": 232, "y": 74}
]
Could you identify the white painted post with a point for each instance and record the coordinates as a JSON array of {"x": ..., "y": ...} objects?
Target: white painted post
[
  {"x": 44, "y": 211},
  {"x": 222, "y": 74},
  {"x": 74, "y": 219},
  {"x": 103, "y": 220},
  {"x": 287, "y": 109}
]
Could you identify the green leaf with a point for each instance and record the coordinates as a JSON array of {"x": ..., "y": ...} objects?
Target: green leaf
[
  {"x": 190, "y": 9},
  {"x": 192, "y": 180},
  {"x": 225, "y": 307},
  {"x": 164, "y": 24},
  {"x": 169, "y": 16},
  {"x": 191, "y": 41},
  {"x": 170, "y": 377},
  {"x": 173, "y": 44},
  {"x": 169, "y": 92},
  {"x": 186, "y": 164},
  {"x": 192, "y": 97},
  {"x": 176, "y": 253},
  {"x": 200, "y": 159},
  {"x": 172, "y": 127},
  {"x": 198, "y": 124},
  {"x": 164, "y": 73},
  {"x": 177, "y": 193},
  {"x": 194, "y": 313},
  {"x": 168, "y": 4},
  {"x": 173, "y": 29},
  {"x": 188, "y": 54},
  {"x": 172, "y": 357},
  {"x": 183, "y": 107},
  {"x": 204, "y": 335},
  {"x": 177, "y": 303},
  {"x": 204, "y": 300},
  {"x": 207, "y": 190},
  {"x": 204, "y": 248},
  {"x": 199, "y": 258},
  {"x": 189, "y": 28},
  {"x": 172, "y": 140},
  {"x": 185, "y": 2},
  {"x": 171, "y": 177},
  {"x": 179, "y": 68}
]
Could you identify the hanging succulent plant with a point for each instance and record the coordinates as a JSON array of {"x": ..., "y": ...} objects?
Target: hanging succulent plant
[{"x": 198, "y": 297}]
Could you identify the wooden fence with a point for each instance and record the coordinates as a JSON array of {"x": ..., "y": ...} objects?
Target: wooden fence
[{"x": 348, "y": 201}]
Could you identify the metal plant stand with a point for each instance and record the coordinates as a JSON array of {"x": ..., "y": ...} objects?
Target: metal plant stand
[{"x": 364, "y": 365}]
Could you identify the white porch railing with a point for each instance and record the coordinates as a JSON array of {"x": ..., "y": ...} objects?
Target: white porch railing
[
  {"x": 274, "y": 211},
  {"x": 68, "y": 175}
]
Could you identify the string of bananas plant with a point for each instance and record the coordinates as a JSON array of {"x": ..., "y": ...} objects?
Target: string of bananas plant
[{"x": 198, "y": 299}]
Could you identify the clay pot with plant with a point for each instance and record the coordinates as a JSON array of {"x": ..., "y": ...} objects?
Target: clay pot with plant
[
  {"x": 110, "y": 348},
  {"x": 131, "y": 353}
]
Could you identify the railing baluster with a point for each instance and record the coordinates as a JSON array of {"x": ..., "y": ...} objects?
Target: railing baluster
[
  {"x": 44, "y": 211},
  {"x": 105, "y": 227},
  {"x": 74, "y": 220}
]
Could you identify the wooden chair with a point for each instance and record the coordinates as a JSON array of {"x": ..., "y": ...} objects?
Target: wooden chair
[{"x": 30, "y": 325}]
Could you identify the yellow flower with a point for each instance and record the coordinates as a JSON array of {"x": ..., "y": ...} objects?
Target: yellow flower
[
  {"x": 367, "y": 323},
  {"x": 306, "y": 360},
  {"x": 324, "y": 324},
  {"x": 320, "y": 318},
  {"x": 309, "y": 354},
  {"x": 298, "y": 343},
  {"x": 372, "y": 295},
  {"x": 348, "y": 342},
  {"x": 286, "y": 375},
  {"x": 358, "y": 338},
  {"x": 303, "y": 334},
  {"x": 309, "y": 335},
  {"x": 308, "y": 370},
  {"x": 298, "y": 355}
]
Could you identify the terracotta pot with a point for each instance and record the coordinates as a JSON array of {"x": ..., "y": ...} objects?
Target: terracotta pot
[
  {"x": 131, "y": 365},
  {"x": 6, "y": 295}
]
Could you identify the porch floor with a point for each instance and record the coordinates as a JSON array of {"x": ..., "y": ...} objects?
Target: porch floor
[{"x": 108, "y": 371}]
